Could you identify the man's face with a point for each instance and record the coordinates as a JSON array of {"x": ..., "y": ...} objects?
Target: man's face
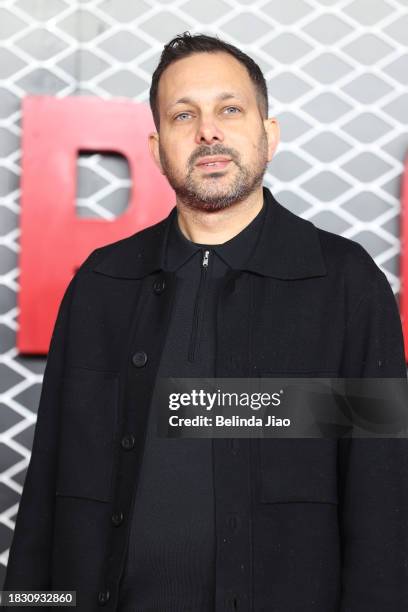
[{"x": 209, "y": 113}]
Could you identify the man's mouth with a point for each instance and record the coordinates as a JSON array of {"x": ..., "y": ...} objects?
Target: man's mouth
[{"x": 214, "y": 163}]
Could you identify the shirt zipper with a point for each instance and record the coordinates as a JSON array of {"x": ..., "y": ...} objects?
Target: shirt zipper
[{"x": 197, "y": 307}]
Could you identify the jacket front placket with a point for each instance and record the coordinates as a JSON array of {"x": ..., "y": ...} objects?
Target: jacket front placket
[
  {"x": 146, "y": 340},
  {"x": 233, "y": 456}
]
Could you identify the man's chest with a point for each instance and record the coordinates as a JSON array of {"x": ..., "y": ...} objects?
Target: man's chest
[{"x": 262, "y": 325}]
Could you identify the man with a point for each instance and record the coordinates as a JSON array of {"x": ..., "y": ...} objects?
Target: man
[{"x": 230, "y": 284}]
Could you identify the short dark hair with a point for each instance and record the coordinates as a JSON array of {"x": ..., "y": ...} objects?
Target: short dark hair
[{"x": 187, "y": 44}]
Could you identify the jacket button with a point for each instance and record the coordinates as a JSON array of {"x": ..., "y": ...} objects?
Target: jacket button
[
  {"x": 103, "y": 597},
  {"x": 128, "y": 442},
  {"x": 159, "y": 285},
  {"x": 139, "y": 359},
  {"x": 117, "y": 518}
]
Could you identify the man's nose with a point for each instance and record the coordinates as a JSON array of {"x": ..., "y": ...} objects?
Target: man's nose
[{"x": 208, "y": 131}]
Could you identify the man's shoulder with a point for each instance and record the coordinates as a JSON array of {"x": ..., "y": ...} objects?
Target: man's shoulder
[
  {"x": 348, "y": 257},
  {"x": 133, "y": 244},
  {"x": 343, "y": 257},
  {"x": 352, "y": 270}
]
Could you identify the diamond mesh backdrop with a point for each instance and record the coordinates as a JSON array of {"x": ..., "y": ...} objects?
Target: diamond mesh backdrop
[{"x": 337, "y": 76}]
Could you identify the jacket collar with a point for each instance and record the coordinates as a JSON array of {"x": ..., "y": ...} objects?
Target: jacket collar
[
  {"x": 288, "y": 247},
  {"x": 234, "y": 252}
]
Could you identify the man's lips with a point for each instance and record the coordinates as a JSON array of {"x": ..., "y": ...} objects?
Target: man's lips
[{"x": 213, "y": 163}]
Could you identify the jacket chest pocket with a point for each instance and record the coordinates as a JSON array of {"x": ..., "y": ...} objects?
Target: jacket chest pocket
[
  {"x": 88, "y": 423},
  {"x": 297, "y": 469}
]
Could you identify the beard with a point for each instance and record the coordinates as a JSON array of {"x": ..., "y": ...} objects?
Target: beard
[{"x": 212, "y": 191}]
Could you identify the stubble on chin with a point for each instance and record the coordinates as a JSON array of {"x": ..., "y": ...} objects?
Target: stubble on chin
[{"x": 216, "y": 191}]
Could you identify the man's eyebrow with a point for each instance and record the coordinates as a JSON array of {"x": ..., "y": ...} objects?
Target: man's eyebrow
[{"x": 226, "y": 95}]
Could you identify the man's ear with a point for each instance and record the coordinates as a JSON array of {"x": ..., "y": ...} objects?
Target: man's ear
[
  {"x": 273, "y": 134},
  {"x": 153, "y": 141}
]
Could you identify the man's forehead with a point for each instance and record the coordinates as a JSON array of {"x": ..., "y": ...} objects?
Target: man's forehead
[
  {"x": 192, "y": 76},
  {"x": 208, "y": 70}
]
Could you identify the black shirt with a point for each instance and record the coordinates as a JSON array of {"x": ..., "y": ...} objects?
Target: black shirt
[{"x": 171, "y": 555}]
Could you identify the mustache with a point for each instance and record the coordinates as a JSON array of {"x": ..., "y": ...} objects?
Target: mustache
[{"x": 206, "y": 151}]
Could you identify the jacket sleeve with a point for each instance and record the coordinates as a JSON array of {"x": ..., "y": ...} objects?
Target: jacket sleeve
[
  {"x": 29, "y": 562},
  {"x": 373, "y": 473}
]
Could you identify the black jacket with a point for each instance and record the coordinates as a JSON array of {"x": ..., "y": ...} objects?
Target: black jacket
[{"x": 302, "y": 524}]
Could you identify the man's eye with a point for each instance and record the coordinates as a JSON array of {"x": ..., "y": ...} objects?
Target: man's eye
[
  {"x": 181, "y": 115},
  {"x": 233, "y": 108}
]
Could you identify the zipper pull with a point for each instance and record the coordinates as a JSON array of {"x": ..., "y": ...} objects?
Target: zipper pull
[{"x": 205, "y": 259}]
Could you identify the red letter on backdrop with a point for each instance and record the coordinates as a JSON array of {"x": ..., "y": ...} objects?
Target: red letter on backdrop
[
  {"x": 404, "y": 256},
  {"x": 54, "y": 241}
]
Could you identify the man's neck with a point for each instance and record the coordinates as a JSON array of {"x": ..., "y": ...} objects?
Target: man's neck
[{"x": 218, "y": 227}]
